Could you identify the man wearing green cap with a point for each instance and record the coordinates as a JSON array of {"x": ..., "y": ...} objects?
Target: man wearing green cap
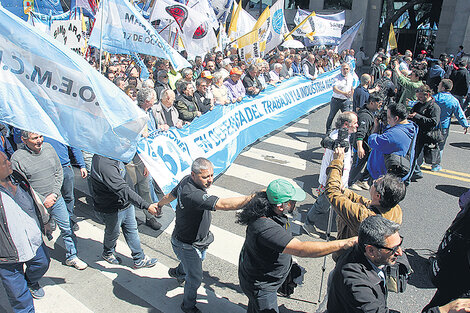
[{"x": 265, "y": 259}]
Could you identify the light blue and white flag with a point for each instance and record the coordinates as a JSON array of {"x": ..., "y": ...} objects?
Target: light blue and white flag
[
  {"x": 327, "y": 29},
  {"x": 348, "y": 37},
  {"x": 48, "y": 89},
  {"x": 144, "y": 72},
  {"x": 125, "y": 30}
]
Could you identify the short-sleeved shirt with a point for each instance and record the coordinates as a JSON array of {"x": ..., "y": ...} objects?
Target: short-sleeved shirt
[
  {"x": 343, "y": 83},
  {"x": 262, "y": 263},
  {"x": 193, "y": 211}
]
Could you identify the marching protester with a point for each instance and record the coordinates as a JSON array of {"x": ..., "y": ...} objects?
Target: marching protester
[
  {"x": 38, "y": 162},
  {"x": 236, "y": 90},
  {"x": 191, "y": 236},
  {"x": 165, "y": 112},
  {"x": 342, "y": 94},
  {"x": 186, "y": 104},
  {"x": 114, "y": 200},
  {"x": 426, "y": 114},
  {"x": 265, "y": 259},
  {"x": 23, "y": 256},
  {"x": 449, "y": 106}
]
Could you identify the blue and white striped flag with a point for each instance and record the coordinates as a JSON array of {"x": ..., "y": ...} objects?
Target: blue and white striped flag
[
  {"x": 125, "y": 30},
  {"x": 48, "y": 89}
]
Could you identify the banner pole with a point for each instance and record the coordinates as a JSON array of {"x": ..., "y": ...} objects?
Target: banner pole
[
  {"x": 101, "y": 34},
  {"x": 300, "y": 24}
]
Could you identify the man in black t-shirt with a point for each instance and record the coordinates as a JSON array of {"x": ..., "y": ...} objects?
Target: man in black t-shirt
[
  {"x": 265, "y": 259},
  {"x": 191, "y": 236}
]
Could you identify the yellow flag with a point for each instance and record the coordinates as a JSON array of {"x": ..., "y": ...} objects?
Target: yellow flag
[{"x": 392, "y": 41}]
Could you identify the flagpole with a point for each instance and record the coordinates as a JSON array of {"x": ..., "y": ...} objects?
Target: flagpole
[
  {"x": 101, "y": 34},
  {"x": 300, "y": 24}
]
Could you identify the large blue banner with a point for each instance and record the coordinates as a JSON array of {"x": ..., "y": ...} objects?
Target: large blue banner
[
  {"x": 48, "y": 89},
  {"x": 221, "y": 134}
]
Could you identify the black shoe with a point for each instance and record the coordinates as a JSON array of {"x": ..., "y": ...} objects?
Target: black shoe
[
  {"x": 53, "y": 224},
  {"x": 153, "y": 223},
  {"x": 194, "y": 309},
  {"x": 415, "y": 176},
  {"x": 173, "y": 274}
]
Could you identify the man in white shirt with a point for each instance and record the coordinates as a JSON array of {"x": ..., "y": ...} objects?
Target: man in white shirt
[{"x": 342, "y": 94}]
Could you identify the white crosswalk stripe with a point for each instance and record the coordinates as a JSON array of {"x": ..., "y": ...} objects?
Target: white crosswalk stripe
[
  {"x": 287, "y": 143},
  {"x": 276, "y": 158}
]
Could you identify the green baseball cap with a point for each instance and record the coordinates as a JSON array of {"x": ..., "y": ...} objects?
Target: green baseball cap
[{"x": 280, "y": 191}]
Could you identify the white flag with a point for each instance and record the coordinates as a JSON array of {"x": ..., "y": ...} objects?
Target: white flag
[
  {"x": 278, "y": 27},
  {"x": 195, "y": 30}
]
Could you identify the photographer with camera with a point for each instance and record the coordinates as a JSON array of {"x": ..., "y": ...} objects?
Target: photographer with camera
[
  {"x": 398, "y": 138},
  {"x": 359, "y": 175},
  {"x": 346, "y": 124}
]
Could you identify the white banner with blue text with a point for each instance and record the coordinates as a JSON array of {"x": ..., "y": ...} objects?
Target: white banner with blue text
[{"x": 221, "y": 134}]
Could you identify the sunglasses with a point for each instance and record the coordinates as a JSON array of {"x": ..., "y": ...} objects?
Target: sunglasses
[{"x": 394, "y": 249}]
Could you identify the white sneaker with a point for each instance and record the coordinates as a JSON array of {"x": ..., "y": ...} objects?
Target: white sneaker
[
  {"x": 355, "y": 186},
  {"x": 363, "y": 184},
  {"x": 77, "y": 263},
  {"x": 311, "y": 230}
]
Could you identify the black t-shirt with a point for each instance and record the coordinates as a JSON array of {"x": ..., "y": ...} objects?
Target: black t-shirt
[
  {"x": 262, "y": 263},
  {"x": 193, "y": 211}
]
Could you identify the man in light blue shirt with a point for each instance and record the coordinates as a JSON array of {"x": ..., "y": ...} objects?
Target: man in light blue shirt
[{"x": 449, "y": 106}]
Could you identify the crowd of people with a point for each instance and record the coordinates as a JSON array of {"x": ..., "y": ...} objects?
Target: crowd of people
[{"x": 398, "y": 115}]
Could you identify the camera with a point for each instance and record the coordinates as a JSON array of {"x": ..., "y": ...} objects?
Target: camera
[{"x": 342, "y": 140}]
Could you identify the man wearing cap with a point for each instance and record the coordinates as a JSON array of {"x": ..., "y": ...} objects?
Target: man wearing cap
[
  {"x": 191, "y": 236},
  {"x": 236, "y": 90},
  {"x": 265, "y": 259},
  {"x": 226, "y": 67}
]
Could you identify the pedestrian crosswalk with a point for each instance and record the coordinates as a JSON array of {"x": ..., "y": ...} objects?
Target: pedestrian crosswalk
[{"x": 119, "y": 288}]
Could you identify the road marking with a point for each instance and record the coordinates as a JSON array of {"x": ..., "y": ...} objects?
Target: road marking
[
  {"x": 458, "y": 132},
  {"x": 58, "y": 300},
  {"x": 447, "y": 175},
  {"x": 167, "y": 300},
  {"x": 276, "y": 158},
  {"x": 293, "y": 129},
  {"x": 222, "y": 192},
  {"x": 447, "y": 171},
  {"x": 256, "y": 176},
  {"x": 287, "y": 143},
  {"x": 304, "y": 121}
]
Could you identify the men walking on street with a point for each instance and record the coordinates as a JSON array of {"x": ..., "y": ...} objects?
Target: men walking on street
[
  {"x": 191, "y": 236},
  {"x": 114, "y": 200},
  {"x": 39, "y": 163},
  {"x": 23, "y": 256},
  {"x": 449, "y": 106},
  {"x": 342, "y": 94}
]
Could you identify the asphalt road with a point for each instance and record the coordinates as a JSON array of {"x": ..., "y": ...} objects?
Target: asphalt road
[{"x": 292, "y": 152}]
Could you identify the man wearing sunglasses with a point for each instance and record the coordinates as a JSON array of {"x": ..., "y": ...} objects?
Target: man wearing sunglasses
[{"x": 358, "y": 282}]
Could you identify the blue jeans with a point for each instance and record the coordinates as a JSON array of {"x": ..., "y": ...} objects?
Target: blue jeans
[
  {"x": 321, "y": 206},
  {"x": 16, "y": 280},
  {"x": 67, "y": 191},
  {"x": 124, "y": 219},
  {"x": 190, "y": 267},
  {"x": 445, "y": 133},
  {"x": 61, "y": 215}
]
